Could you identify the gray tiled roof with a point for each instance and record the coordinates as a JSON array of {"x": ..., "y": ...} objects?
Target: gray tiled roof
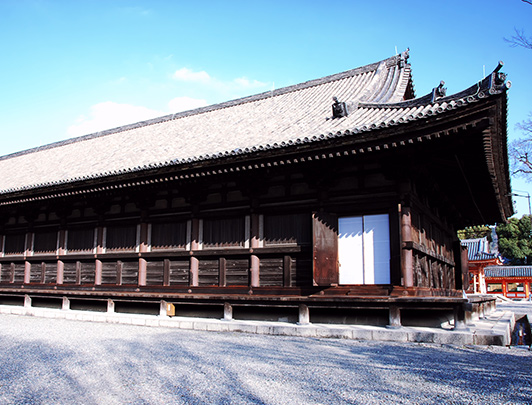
[
  {"x": 508, "y": 271},
  {"x": 297, "y": 114},
  {"x": 478, "y": 249}
]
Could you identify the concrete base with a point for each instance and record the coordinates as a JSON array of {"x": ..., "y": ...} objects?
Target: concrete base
[{"x": 495, "y": 329}]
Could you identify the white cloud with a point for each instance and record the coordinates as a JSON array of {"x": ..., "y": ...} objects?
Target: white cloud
[
  {"x": 202, "y": 77},
  {"x": 249, "y": 84},
  {"x": 188, "y": 75},
  {"x": 108, "y": 115},
  {"x": 185, "y": 103}
]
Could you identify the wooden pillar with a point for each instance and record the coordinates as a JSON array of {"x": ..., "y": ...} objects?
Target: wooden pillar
[
  {"x": 222, "y": 272},
  {"x": 143, "y": 271},
  {"x": 407, "y": 267},
  {"x": 27, "y": 272},
  {"x": 28, "y": 251},
  {"x": 194, "y": 245},
  {"x": 255, "y": 243},
  {"x": 166, "y": 272},
  {"x": 60, "y": 271},
  {"x": 61, "y": 251},
  {"x": 99, "y": 249},
  {"x": 255, "y": 272},
  {"x": 43, "y": 273},
  {"x": 98, "y": 272},
  {"x": 394, "y": 317},
  {"x": 304, "y": 314},
  {"x": 143, "y": 247},
  {"x": 78, "y": 272}
]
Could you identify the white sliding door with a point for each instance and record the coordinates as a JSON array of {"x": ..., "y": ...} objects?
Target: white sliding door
[{"x": 364, "y": 249}]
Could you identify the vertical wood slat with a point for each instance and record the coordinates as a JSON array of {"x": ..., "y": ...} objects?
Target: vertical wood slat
[
  {"x": 166, "y": 272},
  {"x": 43, "y": 273},
  {"x": 78, "y": 272},
  {"x": 287, "y": 271},
  {"x": 119, "y": 268},
  {"x": 27, "y": 272},
  {"x": 222, "y": 268}
]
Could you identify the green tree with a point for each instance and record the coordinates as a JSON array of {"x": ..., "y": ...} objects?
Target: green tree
[
  {"x": 515, "y": 240},
  {"x": 473, "y": 232}
]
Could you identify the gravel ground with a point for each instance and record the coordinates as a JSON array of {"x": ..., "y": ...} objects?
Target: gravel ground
[{"x": 55, "y": 361}]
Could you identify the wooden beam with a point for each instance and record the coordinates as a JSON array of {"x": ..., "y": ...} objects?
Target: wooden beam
[
  {"x": 407, "y": 255},
  {"x": 222, "y": 272},
  {"x": 287, "y": 271}
]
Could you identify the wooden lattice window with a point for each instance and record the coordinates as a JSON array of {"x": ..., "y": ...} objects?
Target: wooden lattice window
[
  {"x": 80, "y": 240},
  {"x": 227, "y": 232},
  {"x": 14, "y": 244},
  {"x": 287, "y": 229},
  {"x": 171, "y": 235},
  {"x": 121, "y": 237},
  {"x": 45, "y": 242}
]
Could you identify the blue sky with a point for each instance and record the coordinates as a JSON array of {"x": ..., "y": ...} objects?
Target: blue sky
[{"x": 74, "y": 67}]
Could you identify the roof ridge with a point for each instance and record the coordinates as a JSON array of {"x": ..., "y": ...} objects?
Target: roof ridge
[{"x": 218, "y": 106}]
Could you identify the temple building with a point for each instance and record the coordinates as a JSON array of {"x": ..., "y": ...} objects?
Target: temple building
[
  {"x": 480, "y": 256},
  {"x": 333, "y": 200}
]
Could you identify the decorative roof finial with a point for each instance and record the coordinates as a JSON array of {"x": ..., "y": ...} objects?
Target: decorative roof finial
[
  {"x": 498, "y": 81},
  {"x": 439, "y": 92},
  {"x": 339, "y": 109}
]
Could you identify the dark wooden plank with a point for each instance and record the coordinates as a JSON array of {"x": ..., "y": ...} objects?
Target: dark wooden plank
[
  {"x": 222, "y": 268},
  {"x": 18, "y": 272},
  {"x": 50, "y": 273},
  {"x": 6, "y": 275},
  {"x": 237, "y": 272},
  {"x": 302, "y": 271},
  {"x": 36, "y": 271},
  {"x": 130, "y": 272},
  {"x": 271, "y": 271},
  {"x": 287, "y": 271},
  {"x": 109, "y": 272},
  {"x": 208, "y": 272},
  {"x": 70, "y": 273},
  {"x": 155, "y": 272},
  {"x": 179, "y": 272},
  {"x": 88, "y": 272},
  {"x": 325, "y": 251}
]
